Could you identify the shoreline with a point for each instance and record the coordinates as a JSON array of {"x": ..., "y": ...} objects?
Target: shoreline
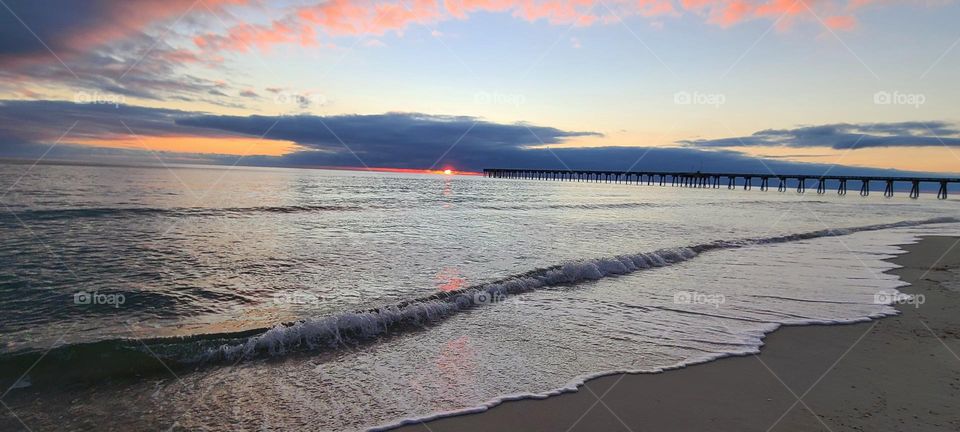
[
  {"x": 434, "y": 307},
  {"x": 875, "y": 375}
]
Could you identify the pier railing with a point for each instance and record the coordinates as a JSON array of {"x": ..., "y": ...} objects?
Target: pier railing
[{"x": 731, "y": 180}]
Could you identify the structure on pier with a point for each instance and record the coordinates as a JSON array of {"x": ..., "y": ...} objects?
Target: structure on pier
[{"x": 715, "y": 180}]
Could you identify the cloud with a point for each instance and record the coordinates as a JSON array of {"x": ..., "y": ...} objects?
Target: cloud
[
  {"x": 840, "y": 22},
  {"x": 406, "y": 140},
  {"x": 581, "y": 158},
  {"x": 337, "y": 18},
  {"x": 112, "y": 46},
  {"x": 391, "y": 139},
  {"x": 69, "y": 28},
  {"x": 245, "y": 37},
  {"x": 72, "y": 28},
  {"x": 397, "y": 140},
  {"x": 148, "y": 50},
  {"x": 43, "y": 122},
  {"x": 846, "y": 136}
]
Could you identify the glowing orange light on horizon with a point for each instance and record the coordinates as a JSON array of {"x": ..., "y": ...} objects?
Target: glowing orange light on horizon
[{"x": 405, "y": 170}]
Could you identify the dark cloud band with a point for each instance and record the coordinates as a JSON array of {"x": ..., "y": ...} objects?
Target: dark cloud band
[
  {"x": 844, "y": 136},
  {"x": 396, "y": 140}
]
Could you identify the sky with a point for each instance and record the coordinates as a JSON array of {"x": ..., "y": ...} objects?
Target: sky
[{"x": 769, "y": 85}]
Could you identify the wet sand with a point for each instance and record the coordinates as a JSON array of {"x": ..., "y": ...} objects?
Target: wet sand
[{"x": 895, "y": 374}]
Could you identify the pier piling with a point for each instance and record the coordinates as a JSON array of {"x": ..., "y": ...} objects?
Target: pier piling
[{"x": 701, "y": 180}]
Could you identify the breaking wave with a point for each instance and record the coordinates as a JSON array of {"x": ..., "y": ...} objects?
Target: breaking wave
[
  {"x": 332, "y": 331},
  {"x": 105, "y": 358}
]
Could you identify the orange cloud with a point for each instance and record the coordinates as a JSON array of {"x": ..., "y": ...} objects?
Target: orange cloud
[
  {"x": 195, "y": 144},
  {"x": 922, "y": 159},
  {"x": 369, "y": 17},
  {"x": 100, "y": 23},
  {"x": 840, "y": 22},
  {"x": 243, "y": 37},
  {"x": 125, "y": 18},
  {"x": 345, "y": 17},
  {"x": 93, "y": 24}
]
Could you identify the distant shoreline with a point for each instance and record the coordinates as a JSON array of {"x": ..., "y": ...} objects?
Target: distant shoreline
[{"x": 897, "y": 373}]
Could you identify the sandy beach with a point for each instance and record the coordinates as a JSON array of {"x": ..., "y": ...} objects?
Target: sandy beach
[{"x": 898, "y": 373}]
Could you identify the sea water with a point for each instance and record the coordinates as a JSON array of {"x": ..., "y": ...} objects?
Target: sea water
[{"x": 217, "y": 298}]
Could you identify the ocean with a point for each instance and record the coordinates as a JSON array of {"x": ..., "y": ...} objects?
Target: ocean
[{"x": 219, "y": 298}]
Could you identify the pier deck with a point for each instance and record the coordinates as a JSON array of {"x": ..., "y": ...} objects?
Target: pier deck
[{"x": 716, "y": 180}]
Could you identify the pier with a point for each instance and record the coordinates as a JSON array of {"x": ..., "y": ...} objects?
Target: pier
[{"x": 729, "y": 180}]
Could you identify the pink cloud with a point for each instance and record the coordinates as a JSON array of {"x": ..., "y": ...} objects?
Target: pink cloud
[
  {"x": 840, "y": 22},
  {"x": 93, "y": 24},
  {"x": 649, "y": 8},
  {"x": 244, "y": 37},
  {"x": 368, "y": 17},
  {"x": 102, "y": 23},
  {"x": 577, "y": 12}
]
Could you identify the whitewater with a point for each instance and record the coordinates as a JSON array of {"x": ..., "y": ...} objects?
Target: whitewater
[{"x": 320, "y": 300}]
